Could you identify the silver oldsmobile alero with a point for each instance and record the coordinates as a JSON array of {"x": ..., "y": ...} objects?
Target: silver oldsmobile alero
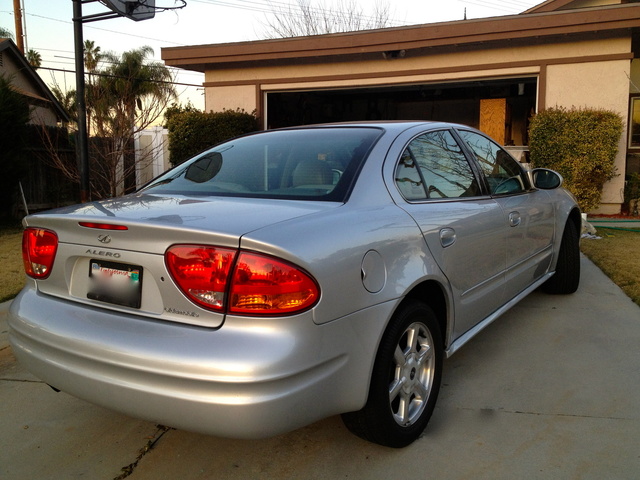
[{"x": 289, "y": 275}]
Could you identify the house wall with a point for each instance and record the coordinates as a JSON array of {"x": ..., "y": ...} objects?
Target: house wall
[
  {"x": 228, "y": 88},
  {"x": 231, "y": 98},
  {"x": 590, "y": 73},
  {"x": 42, "y": 113},
  {"x": 595, "y": 85}
]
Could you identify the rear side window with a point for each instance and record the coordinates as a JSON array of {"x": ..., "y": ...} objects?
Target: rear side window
[
  {"x": 313, "y": 164},
  {"x": 503, "y": 173},
  {"x": 433, "y": 166}
]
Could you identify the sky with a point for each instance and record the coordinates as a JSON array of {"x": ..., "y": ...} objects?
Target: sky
[{"x": 49, "y": 28}]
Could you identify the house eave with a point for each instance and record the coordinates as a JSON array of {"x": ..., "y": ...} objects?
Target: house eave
[
  {"x": 495, "y": 31},
  {"x": 47, "y": 96}
]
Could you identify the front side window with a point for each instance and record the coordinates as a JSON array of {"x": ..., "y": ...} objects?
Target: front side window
[
  {"x": 503, "y": 173},
  {"x": 309, "y": 164},
  {"x": 433, "y": 167}
]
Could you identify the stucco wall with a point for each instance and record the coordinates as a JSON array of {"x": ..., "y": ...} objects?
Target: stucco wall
[
  {"x": 231, "y": 98},
  {"x": 577, "y": 74},
  {"x": 595, "y": 85}
]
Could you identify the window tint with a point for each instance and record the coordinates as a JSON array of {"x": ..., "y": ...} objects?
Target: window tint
[
  {"x": 502, "y": 171},
  {"x": 318, "y": 164},
  {"x": 433, "y": 166}
]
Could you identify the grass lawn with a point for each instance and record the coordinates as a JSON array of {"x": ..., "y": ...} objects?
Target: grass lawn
[
  {"x": 617, "y": 254},
  {"x": 12, "y": 272}
]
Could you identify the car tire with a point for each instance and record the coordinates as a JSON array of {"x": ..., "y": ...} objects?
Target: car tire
[
  {"x": 405, "y": 381},
  {"x": 567, "y": 276}
]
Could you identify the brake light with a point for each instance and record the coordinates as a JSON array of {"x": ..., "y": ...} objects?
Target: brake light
[
  {"x": 263, "y": 284},
  {"x": 223, "y": 279},
  {"x": 201, "y": 272},
  {"x": 39, "y": 247},
  {"x": 103, "y": 226}
]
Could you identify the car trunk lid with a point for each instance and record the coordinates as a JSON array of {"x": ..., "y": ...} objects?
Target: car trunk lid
[{"x": 133, "y": 257}]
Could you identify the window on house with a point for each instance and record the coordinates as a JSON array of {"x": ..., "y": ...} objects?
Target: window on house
[{"x": 634, "y": 123}]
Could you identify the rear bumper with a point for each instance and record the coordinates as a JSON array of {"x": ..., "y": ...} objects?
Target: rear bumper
[{"x": 252, "y": 378}]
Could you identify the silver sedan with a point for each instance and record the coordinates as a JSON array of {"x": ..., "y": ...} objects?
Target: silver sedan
[{"x": 289, "y": 275}]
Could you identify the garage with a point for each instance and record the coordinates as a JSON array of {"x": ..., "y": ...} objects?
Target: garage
[
  {"x": 500, "y": 107},
  {"x": 492, "y": 74}
]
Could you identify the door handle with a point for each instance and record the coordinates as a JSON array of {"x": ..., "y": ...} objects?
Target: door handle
[
  {"x": 447, "y": 237},
  {"x": 514, "y": 219}
]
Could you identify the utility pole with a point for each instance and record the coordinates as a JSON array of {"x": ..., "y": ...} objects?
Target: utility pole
[
  {"x": 17, "y": 15},
  {"x": 81, "y": 139},
  {"x": 135, "y": 10}
]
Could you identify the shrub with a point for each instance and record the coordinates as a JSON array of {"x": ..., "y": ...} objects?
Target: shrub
[
  {"x": 14, "y": 115},
  {"x": 581, "y": 145},
  {"x": 192, "y": 131}
]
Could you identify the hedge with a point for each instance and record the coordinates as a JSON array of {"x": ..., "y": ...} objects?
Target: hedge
[
  {"x": 192, "y": 131},
  {"x": 581, "y": 145}
]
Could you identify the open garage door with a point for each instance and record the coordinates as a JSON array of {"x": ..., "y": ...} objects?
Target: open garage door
[{"x": 501, "y": 108}]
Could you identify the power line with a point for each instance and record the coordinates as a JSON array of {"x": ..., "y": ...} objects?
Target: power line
[
  {"x": 107, "y": 30},
  {"x": 108, "y": 75},
  {"x": 501, "y": 5}
]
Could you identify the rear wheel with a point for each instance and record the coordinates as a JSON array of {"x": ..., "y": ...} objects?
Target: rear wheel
[
  {"x": 405, "y": 381},
  {"x": 567, "y": 276}
]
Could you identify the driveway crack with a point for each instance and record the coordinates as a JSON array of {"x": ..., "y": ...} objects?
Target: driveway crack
[{"x": 129, "y": 469}]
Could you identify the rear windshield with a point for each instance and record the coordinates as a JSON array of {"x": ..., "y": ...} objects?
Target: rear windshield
[{"x": 310, "y": 164}]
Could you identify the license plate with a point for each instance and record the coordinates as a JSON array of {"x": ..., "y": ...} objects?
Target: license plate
[{"x": 115, "y": 283}]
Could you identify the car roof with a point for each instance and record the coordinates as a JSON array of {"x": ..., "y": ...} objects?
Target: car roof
[{"x": 389, "y": 125}]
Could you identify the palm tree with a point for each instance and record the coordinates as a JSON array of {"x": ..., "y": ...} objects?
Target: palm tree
[
  {"x": 67, "y": 101},
  {"x": 92, "y": 58},
  {"x": 131, "y": 93},
  {"x": 133, "y": 79},
  {"x": 34, "y": 58},
  {"x": 5, "y": 33}
]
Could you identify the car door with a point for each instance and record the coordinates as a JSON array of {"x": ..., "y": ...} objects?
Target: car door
[
  {"x": 463, "y": 228},
  {"x": 528, "y": 213}
]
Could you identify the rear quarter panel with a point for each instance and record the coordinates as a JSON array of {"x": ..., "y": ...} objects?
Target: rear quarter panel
[{"x": 332, "y": 247}]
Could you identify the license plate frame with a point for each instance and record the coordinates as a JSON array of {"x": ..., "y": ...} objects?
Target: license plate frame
[{"x": 115, "y": 283}]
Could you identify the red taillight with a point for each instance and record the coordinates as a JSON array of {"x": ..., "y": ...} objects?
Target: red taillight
[
  {"x": 266, "y": 285},
  {"x": 254, "y": 284},
  {"x": 39, "y": 248},
  {"x": 201, "y": 272}
]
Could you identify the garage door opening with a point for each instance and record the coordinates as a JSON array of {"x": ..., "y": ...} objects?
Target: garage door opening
[{"x": 501, "y": 108}]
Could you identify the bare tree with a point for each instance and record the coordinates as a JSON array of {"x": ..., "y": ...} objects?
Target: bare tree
[
  {"x": 127, "y": 96},
  {"x": 304, "y": 18}
]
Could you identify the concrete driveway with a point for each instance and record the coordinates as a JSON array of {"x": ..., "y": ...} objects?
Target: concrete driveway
[{"x": 549, "y": 391}]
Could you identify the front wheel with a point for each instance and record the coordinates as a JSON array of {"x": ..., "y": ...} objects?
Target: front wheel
[
  {"x": 405, "y": 381},
  {"x": 567, "y": 277}
]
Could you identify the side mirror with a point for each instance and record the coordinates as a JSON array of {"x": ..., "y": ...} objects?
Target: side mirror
[
  {"x": 204, "y": 168},
  {"x": 546, "y": 179}
]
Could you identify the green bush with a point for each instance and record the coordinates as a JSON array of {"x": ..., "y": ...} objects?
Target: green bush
[
  {"x": 192, "y": 131},
  {"x": 581, "y": 145},
  {"x": 14, "y": 115}
]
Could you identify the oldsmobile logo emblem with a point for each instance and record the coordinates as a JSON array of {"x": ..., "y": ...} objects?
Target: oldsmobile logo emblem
[{"x": 104, "y": 238}]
